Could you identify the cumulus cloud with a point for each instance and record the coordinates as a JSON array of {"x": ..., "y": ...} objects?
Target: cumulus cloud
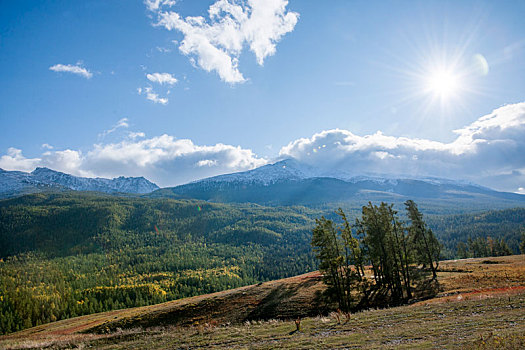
[
  {"x": 162, "y": 78},
  {"x": 168, "y": 160},
  {"x": 152, "y": 95},
  {"x": 215, "y": 44},
  {"x": 74, "y": 69},
  {"x": 15, "y": 160},
  {"x": 68, "y": 161},
  {"x": 490, "y": 149},
  {"x": 163, "y": 159}
]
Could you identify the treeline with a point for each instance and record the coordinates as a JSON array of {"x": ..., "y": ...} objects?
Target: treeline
[
  {"x": 483, "y": 247},
  {"x": 394, "y": 250}
]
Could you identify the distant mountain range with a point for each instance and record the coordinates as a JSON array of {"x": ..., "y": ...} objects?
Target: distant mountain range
[
  {"x": 290, "y": 182},
  {"x": 287, "y": 182},
  {"x": 43, "y": 179}
]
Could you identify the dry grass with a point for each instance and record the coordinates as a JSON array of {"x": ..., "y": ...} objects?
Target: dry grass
[
  {"x": 481, "y": 305},
  {"x": 472, "y": 324}
]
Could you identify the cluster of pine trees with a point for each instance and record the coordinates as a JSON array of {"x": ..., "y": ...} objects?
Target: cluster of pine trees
[{"x": 399, "y": 254}]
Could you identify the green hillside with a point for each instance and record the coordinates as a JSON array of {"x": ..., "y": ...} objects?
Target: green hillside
[{"x": 65, "y": 255}]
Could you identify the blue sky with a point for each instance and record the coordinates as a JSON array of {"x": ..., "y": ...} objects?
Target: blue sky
[{"x": 79, "y": 91}]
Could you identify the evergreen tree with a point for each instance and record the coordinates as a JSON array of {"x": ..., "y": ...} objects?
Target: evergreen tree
[
  {"x": 428, "y": 247},
  {"x": 327, "y": 249}
]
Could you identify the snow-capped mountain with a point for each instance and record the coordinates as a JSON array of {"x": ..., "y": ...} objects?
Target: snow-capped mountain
[
  {"x": 289, "y": 169},
  {"x": 41, "y": 179},
  {"x": 293, "y": 170},
  {"x": 290, "y": 182}
]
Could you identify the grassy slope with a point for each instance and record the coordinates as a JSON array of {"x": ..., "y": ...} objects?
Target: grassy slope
[{"x": 479, "y": 297}]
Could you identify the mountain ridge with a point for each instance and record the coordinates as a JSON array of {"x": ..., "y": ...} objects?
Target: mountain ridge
[
  {"x": 41, "y": 179},
  {"x": 285, "y": 182},
  {"x": 297, "y": 170},
  {"x": 289, "y": 182}
]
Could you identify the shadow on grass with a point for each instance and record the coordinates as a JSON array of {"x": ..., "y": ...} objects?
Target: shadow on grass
[
  {"x": 279, "y": 304},
  {"x": 422, "y": 287}
]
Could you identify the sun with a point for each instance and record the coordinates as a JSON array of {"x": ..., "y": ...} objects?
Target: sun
[{"x": 443, "y": 83}]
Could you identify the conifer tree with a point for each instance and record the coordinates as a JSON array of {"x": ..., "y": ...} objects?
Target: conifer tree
[
  {"x": 327, "y": 248},
  {"x": 423, "y": 237}
]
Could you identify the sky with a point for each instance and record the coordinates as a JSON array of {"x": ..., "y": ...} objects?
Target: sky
[{"x": 178, "y": 90}]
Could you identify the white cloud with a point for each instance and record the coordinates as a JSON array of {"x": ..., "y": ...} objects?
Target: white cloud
[
  {"x": 152, "y": 95},
  {"x": 47, "y": 146},
  {"x": 122, "y": 123},
  {"x": 490, "y": 151},
  {"x": 206, "y": 162},
  {"x": 167, "y": 160},
  {"x": 155, "y": 5},
  {"x": 215, "y": 44},
  {"x": 68, "y": 161},
  {"x": 162, "y": 78},
  {"x": 75, "y": 69},
  {"x": 15, "y": 160},
  {"x": 135, "y": 135},
  {"x": 163, "y": 159}
]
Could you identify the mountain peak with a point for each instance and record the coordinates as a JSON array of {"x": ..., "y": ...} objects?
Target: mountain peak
[{"x": 40, "y": 170}]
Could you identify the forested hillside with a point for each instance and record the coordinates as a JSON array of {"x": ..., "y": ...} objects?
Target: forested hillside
[
  {"x": 454, "y": 230},
  {"x": 65, "y": 255},
  {"x": 68, "y": 254}
]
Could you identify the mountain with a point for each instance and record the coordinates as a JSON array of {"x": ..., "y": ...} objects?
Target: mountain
[
  {"x": 42, "y": 179},
  {"x": 290, "y": 182}
]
